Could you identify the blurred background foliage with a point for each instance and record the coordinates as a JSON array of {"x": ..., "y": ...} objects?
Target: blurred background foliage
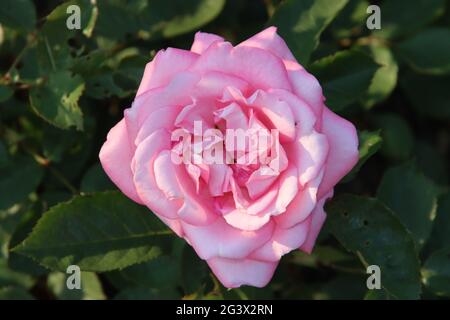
[{"x": 62, "y": 90}]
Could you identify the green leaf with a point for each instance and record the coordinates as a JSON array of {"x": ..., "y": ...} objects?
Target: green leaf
[
  {"x": 57, "y": 100},
  {"x": 194, "y": 271},
  {"x": 142, "y": 293},
  {"x": 412, "y": 197},
  {"x": 18, "y": 178},
  {"x": 10, "y": 277},
  {"x": 431, "y": 162},
  {"x": 95, "y": 179},
  {"x": 429, "y": 95},
  {"x": 321, "y": 256},
  {"x": 369, "y": 229},
  {"x": 440, "y": 235},
  {"x": 402, "y": 17},
  {"x": 385, "y": 79},
  {"x": 103, "y": 86},
  {"x": 351, "y": 20},
  {"x": 91, "y": 62},
  {"x": 369, "y": 143},
  {"x": 18, "y": 262},
  {"x": 428, "y": 51},
  {"x": 300, "y": 23},
  {"x": 5, "y": 93},
  {"x": 342, "y": 287},
  {"x": 161, "y": 272},
  {"x": 14, "y": 293},
  {"x": 178, "y": 17},
  {"x": 9, "y": 221},
  {"x": 91, "y": 287},
  {"x": 103, "y": 72},
  {"x": 398, "y": 139},
  {"x": 377, "y": 294},
  {"x": 56, "y": 142},
  {"x": 436, "y": 272},
  {"x": 4, "y": 156},
  {"x": 345, "y": 77},
  {"x": 154, "y": 20},
  {"x": 18, "y": 14},
  {"x": 56, "y": 21},
  {"x": 99, "y": 232}
]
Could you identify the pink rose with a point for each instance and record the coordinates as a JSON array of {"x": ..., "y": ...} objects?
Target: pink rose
[{"x": 240, "y": 217}]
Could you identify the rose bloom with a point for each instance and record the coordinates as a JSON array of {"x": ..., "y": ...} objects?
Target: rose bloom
[{"x": 240, "y": 218}]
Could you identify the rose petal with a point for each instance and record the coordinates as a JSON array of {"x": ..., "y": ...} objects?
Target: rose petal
[
  {"x": 219, "y": 177},
  {"x": 268, "y": 39},
  {"x": 200, "y": 111},
  {"x": 164, "y": 66},
  {"x": 301, "y": 206},
  {"x": 144, "y": 176},
  {"x": 287, "y": 190},
  {"x": 203, "y": 40},
  {"x": 304, "y": 118},
  {"x": 276, "y": 112},
  {"x": 165, "y": 175},
  {"x": 260, "y": 181},
  {"x": 309, "y": 154},
  {"x": 343, "y": 150},
  {"x": 213, "y": 84},
  {"x": 173, "y": 224},
  {"x": 160, "y": 118},
  {"x": 281, "y": 195},
  {"x": 240, "y": 219},
  {"x": 260, "y": 68},
  {"x": 306, "y": 87},
  {"x": 176, "y": 93},
  {"x": 219, "y": 239},
  {"x": 234, "y": 116},
  {"x": 175, "y": 182},
  {"x": 115, "y": 157},
  {"x": 283, "y": 241},
  {"x": 235, "y": 273},
  {"x": 318, "y": 217}
]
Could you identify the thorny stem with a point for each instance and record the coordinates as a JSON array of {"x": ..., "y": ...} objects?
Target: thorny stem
[
  {"x": 30, "y": 42},
  {"x": 58, "y": 175},
  {"x": 55, "y": 172}
]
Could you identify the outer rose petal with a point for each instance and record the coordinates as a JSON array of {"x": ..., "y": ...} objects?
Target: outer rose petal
[
  {"x": 115, "y": 157},
  {"x": 160, "y": 118},
  {"x": 164, "y": 66},
  {"x": 283, "y": 241},
  {"x": 318, "y": 217},
  {"x": 221, "y": 240},
  {"x": 269, "y": 39},
  {"x": 176, "y": 93},
  {"x": 144, "y": 177},
  {"x": 203, "y": 40},
  {"x": 306, "y": 87},
  {"x": 343, "y": 150},
  {"x": 259, "y": 67},
  {"x": 173, "y": 224},
  {"x": 235, "y": 273}
]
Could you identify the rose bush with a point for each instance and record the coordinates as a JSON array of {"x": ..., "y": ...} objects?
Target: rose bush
[{"x": 240, "y": 218}]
